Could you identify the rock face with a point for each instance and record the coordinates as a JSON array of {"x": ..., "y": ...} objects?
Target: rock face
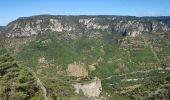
[
  {"x": 28, "y": 26},
  {"x": 91, "y": 89}
]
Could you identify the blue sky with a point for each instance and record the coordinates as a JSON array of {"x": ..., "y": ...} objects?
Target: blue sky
[{"x": 12, "y": 9}]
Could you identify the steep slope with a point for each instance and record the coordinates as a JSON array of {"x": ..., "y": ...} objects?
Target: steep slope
[
  {"x": 16, "y": 82},
  {"x": 122, "y": 63},
  {"x": 128, "y": 55}
]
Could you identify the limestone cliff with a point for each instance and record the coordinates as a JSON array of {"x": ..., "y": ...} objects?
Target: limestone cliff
[{"x": 28, "y": 26}]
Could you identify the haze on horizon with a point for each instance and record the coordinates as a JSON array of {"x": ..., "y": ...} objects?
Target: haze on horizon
[{"x": 12, "y": 9}]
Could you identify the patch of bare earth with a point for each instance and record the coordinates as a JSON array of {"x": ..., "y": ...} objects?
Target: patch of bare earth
[
  {"x": 92, "y": 67},
  {"x": 77, "y": 69}
]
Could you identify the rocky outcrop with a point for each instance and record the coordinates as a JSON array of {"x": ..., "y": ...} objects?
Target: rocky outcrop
[
  {"x": 91, "y": 89},
  {"x": 91, "y": 23},
  {"x": 33, "y": 27},
  {"x": 132, "y": 26}
]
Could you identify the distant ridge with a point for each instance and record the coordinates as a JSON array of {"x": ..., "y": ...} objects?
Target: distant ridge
[{"x": 128, "y": 25}]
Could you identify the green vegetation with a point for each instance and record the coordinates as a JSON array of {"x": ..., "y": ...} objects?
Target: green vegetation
[
  {"x": 130, "y": 67},
  {"x": 16, "y": 82}
]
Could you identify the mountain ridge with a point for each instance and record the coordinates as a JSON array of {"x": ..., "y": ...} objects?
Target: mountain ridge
[
  {"x": 128, "y": 56},
  {"x": 2, "y": 28},
  {"x": 128, "y": 25}
]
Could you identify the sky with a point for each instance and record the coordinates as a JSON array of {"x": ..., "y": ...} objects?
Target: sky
[{"x": 12, "y": 9}]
